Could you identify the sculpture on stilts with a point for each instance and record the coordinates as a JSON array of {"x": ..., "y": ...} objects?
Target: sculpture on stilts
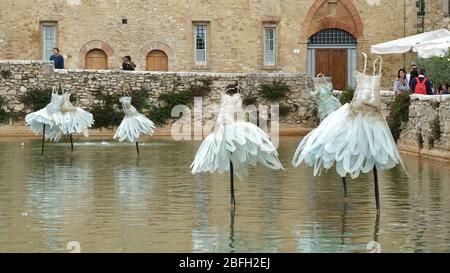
[
  {"x": 355, "y": 138},
  {"x": 134, "y": 123},
  {"x": 59, "y": 118},
  {"x": 234, "y": 144}
]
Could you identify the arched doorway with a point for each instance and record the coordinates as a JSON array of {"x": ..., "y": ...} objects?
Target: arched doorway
[
  {"x": 96, "y": 59},
  {"x": 332, "y": 52},
  {"x": 157, "y": 61}
]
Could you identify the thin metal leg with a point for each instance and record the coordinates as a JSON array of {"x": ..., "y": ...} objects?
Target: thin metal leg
[
  {"x": 233, "y": 200},
  {"x": 137, "y": 149},
  {"x": 43, "y": 141},
  {"x": 344, "y": 182},
  {"x": 232, "y": 214},
  {"x": 377, "y": 190},
  {"x": 377, "y": 227},
  {"x": 71, "y": 143}
]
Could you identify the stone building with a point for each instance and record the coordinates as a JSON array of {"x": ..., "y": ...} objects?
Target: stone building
[
  {"x": 206, "y": 35},
  {"x": 436, "y": 14}
]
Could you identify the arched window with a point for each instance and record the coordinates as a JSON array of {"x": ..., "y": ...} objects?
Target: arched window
[
  {"x": 332, "y": 52},
  {"x": 332, "y": 37},
  {"x": 157, "y": 61},
  {"x": 96, "y": 59}
]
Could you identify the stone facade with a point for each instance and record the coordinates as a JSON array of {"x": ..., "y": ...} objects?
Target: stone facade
[
  {"x": 235, "y": 30},
  {"x": 415, "y": 137},
  {"x": 436, "y": 15}
]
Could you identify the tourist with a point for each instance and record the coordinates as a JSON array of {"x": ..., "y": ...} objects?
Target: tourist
[
  {"x": 128, "y": 64},
  {"x": 443, "y": 89},
  {"x": 421, "y": 84},
  {"x": 57, "y": 59},
  {"x": 401, "y": 85},
  {"x": 413, "y": 72}
]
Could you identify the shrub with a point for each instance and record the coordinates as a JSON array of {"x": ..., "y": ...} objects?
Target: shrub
[
  {"x": 436, "y": 132},
  {"x": 249, "y": 100},
  {"x": 399, "y": 114},
  {"x": 161, "y": 114},
  {"x": 437, "y": 68},
  {"x": 274, "y": 91},
  {"x": 4, "y": 116},
  {"x": 140, "y": 99},
  {"x": 175, "y": 98},
  {"x": 107, "y": 112},
  {"x": 36, "y": 99},
  {"x": 347, "y": 96},
  {"x": 200, "y": 90}
]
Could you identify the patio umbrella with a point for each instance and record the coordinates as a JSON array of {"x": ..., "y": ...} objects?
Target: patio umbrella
[
  {"x": 434, "y": 48},
  {"x": 407, "y": 44}
]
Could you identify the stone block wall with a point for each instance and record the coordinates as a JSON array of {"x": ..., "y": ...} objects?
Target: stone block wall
[
  {"x": 422, "y": 111},
  {"x": 17, "y": 77}
]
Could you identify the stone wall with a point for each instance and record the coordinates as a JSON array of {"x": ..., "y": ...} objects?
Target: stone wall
[
  {"x": 16, "y": 77},
  {"x": 416, "y": 135},
  {"x": 435, "y": 16}
]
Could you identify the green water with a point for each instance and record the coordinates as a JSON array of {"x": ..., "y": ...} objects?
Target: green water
[{"x": 108, "y": 200}]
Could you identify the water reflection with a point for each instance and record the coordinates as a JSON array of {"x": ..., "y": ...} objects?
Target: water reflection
[{"x": 108, "y": 199}]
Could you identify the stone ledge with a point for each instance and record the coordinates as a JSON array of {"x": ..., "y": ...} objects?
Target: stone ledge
[
  {"x": 431, "y": 98},
  {"x": 25, "y": 62},
  {"x": 383, "y": 93},
  {"x": 442, "y": 155},
  {"x": 186, "y": 74}
]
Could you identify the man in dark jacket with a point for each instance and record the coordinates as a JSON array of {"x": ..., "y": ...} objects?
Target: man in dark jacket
[
  {"x": 128, "y": 64},
  {"x": 428, "y": 84},
  {"x": 58, "y": 59}
]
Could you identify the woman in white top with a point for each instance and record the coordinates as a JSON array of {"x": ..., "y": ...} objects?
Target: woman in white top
[{"x": 401, "y": 84}]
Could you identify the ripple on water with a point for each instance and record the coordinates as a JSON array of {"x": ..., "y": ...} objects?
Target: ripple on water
[{"x": 105, "y": 197}]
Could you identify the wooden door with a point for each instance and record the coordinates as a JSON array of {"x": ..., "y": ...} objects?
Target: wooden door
[
  {"x": 157, "y": 61},
  {"x": 96, "y": 59},
  {"x": 333, "y": 63}
]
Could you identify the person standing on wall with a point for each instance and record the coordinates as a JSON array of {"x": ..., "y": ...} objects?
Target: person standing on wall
[
  {"x": 127, "y": 64},
  {"x": 421, "y": 84},
  {"x": 58, "y": 59}
]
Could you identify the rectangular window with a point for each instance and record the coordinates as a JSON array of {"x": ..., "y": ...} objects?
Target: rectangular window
[
  {"x": 48, "y": 40},
  {"x": 270, "y": 42},
  {"x": 420, "y": 4},
  {"x": 446, "y": 7},
  {"x": 200, "y": 44}
]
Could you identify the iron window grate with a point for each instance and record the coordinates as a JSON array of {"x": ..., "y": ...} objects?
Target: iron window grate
[{"x": 332, "y": 36}]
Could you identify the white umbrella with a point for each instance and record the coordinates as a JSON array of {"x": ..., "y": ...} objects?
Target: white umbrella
[
  {"x": 434, "y": 48},
  {"x": 406, "y": 44}
]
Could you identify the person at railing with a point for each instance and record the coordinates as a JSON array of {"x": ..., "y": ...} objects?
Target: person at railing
[
  {"x": 57, "y": 59},
  {"x": 401, "y": 84},
  {"x": 412, "y": 73},
  {"x": 443, "y": 89},
  {"x": 421, "y": 84},
  {"x": 128, "y": 64}
]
